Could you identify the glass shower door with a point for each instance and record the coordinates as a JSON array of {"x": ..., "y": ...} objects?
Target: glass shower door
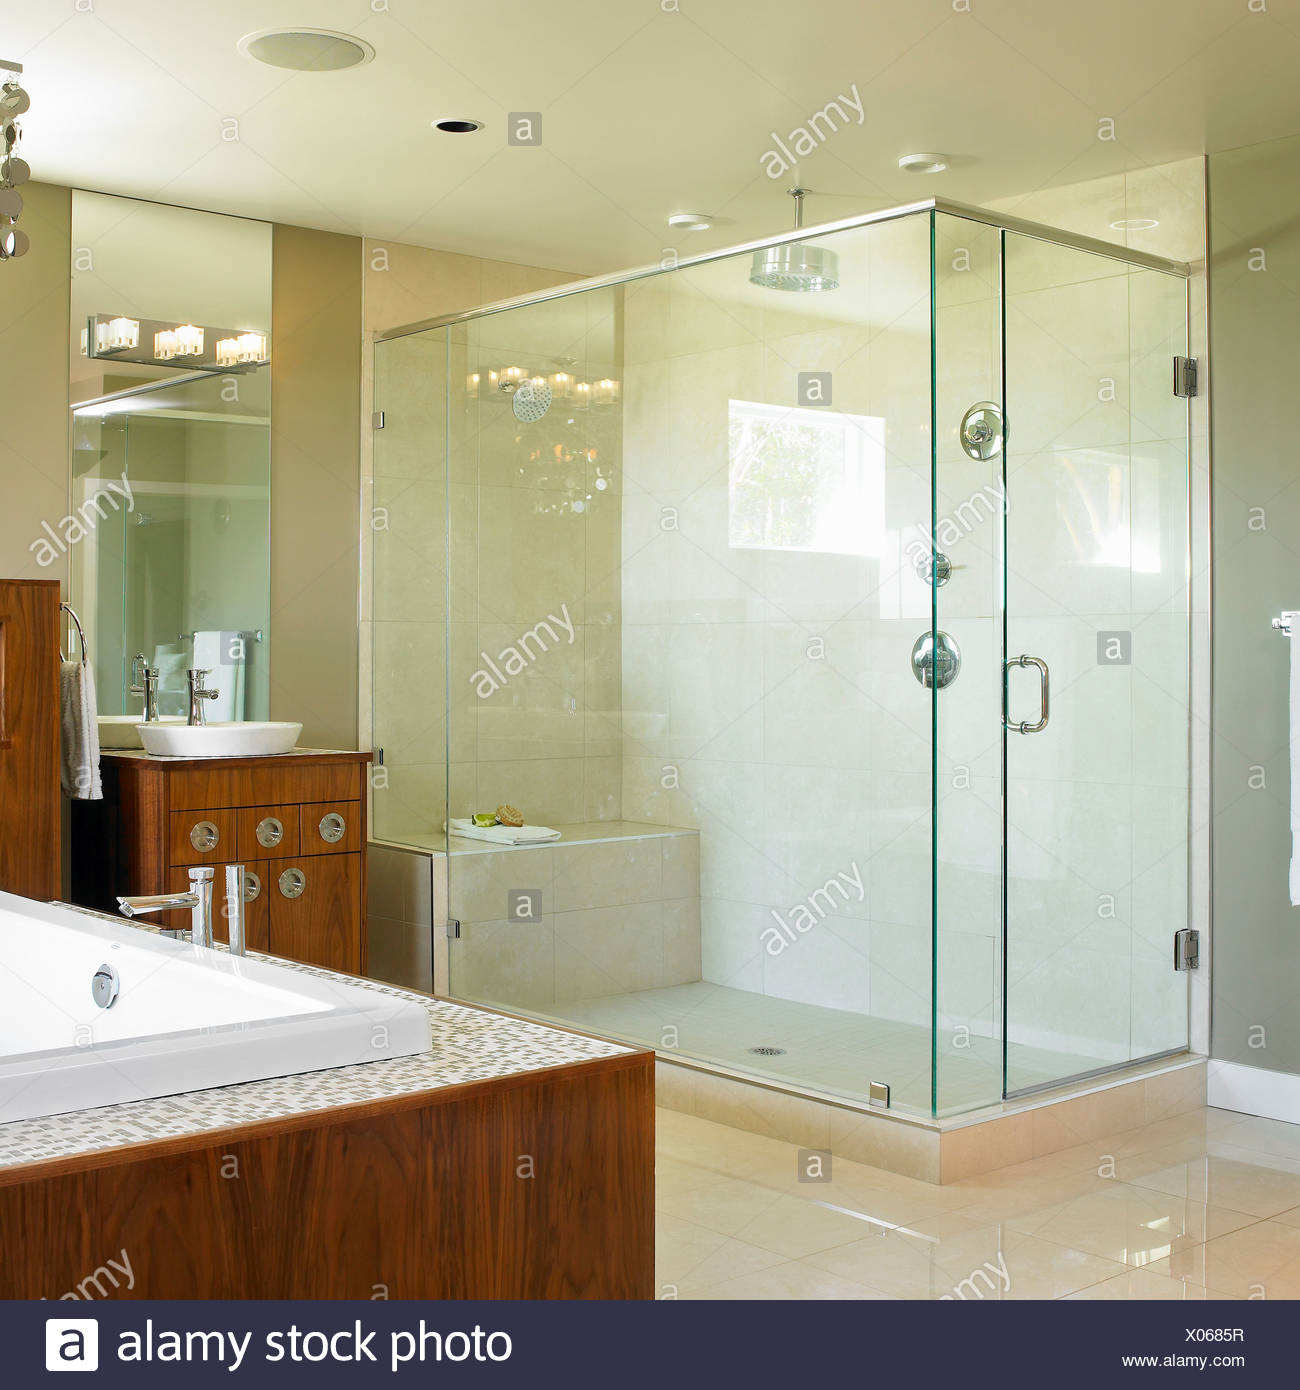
[{"x": 1096, "y": 663}]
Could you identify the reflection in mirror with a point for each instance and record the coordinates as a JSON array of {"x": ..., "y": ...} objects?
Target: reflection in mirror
[{"x": 171, "y": 482}]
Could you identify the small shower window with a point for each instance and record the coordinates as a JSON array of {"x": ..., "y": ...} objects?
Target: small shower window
[{"x": 801, "y": 479}]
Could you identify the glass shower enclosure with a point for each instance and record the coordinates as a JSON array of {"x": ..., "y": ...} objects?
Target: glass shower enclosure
[{"x": 839, "y": 633}]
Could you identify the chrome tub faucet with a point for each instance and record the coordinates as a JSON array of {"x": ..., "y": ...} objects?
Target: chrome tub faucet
[{"x": 198, "y": 900}]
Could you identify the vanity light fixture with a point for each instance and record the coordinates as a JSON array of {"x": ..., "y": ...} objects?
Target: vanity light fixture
[
  {"x": 189, "y": 340},
  {"x": 117, "y": 335},
  {"x": 928, "y": 163},
  {"x": 165, "y": 344},
  {"x": 242, "y": 350}
]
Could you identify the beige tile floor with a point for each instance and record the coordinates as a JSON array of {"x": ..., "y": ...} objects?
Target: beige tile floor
[{"x": 1202, "y": 1206}]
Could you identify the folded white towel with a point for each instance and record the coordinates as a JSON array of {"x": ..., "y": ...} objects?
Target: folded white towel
[
  {"x": 79, "y": 730},
  {"x": 1294, "y": 703},
  {"x": 503, "y": 834}
]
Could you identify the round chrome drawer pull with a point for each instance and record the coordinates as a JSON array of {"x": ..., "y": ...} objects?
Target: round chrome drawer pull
[
  {"x": 204, "y": 836},
  {"x": 252, "y": 886},
  {"x": 292, "y": 883},
  {"x": 332, "y": 828},
  {"x": 269, "y": 832}
]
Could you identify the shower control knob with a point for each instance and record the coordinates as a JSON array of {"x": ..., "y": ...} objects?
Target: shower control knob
[{"x": 936, "y": 660}]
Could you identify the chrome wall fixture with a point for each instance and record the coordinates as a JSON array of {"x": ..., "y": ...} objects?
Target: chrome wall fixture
[
  {"x": 1285, "y": 622},
  {"x": 982, "y": 430},
  {"x": 936, "y": 660},
  {"x": 13, "y": 170}
]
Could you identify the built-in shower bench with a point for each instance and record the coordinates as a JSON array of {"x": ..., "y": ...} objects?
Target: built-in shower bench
[{"x": 610, "y": 907}]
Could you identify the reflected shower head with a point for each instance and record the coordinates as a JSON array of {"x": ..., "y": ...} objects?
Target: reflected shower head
[{"x": 795, "y": 265}]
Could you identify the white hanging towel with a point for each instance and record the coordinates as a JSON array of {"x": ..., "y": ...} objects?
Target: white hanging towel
[
  {"x": 79, "y": 732},
  {"x": 1294, "y": 713},
  {"x": 224, "y": 656}
]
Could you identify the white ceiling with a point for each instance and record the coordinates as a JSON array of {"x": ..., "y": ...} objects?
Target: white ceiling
[{"x": 646, "y": 110}]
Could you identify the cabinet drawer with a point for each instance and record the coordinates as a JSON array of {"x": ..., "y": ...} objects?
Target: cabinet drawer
[
  {"x": 201, "y": 837},
  {"x": 315, "y": 910},
  {"x": 290, "y": 779},
  {"x": 330, "y": 827},
  {"x": 257, "y": 904},
  {"x": 264, "y": 832}
]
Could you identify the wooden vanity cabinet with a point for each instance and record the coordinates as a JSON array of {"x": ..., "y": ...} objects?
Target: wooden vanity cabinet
[{"x": 296, "y": 822}]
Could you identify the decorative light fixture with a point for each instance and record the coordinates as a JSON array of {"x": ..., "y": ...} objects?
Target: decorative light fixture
[
  {"x": 13, "y": 170},
  {"x": 151, "y": 341},
  {"x": 245, "y": 350},
  {"x": 117, "y": 335},
  {"x": 923, "y": 163},
  {"x": 691, "y": 221}
]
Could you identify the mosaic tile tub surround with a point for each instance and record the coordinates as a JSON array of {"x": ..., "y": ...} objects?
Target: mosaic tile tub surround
[{"x": 466, "y": 1045}]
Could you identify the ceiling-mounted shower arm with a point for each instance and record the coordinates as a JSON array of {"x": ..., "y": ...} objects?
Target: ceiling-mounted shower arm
[{"x": 798, "y": 193}]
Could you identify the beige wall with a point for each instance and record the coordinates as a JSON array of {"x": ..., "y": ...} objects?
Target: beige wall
[
  {"x": 1255, "y": 283},
  {"x": 34, "y": 436},
  {"x": 315, "y": 482}
]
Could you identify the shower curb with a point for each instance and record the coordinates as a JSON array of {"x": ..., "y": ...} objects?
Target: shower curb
[{"x": 945, "y": 1150}]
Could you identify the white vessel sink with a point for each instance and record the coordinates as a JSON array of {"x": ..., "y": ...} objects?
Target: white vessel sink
[
  {"x": 120, "y": 730},
  {"x": 243, "y": 739}
]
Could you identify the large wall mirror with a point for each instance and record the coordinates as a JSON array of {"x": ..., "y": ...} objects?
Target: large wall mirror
[{"x": 171, "y": 466}]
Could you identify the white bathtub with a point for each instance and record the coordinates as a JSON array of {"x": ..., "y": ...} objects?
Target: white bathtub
[{"x": 185, "y": 1018}]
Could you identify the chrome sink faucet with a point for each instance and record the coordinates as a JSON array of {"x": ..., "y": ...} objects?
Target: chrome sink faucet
[
  {"x": 144, "y": 681},
  {"x": 198, "y": 900},
  {"x": 196, "y": 676}
]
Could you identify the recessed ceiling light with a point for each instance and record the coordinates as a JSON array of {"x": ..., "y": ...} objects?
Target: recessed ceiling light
[
  {"x": 457, "y": 125},
  {"x": 691, "y": 221},
  {"x": 306, "y": 50},
  {"x": 1134, "y": 224},
  {"x": 923, "y": 163}
]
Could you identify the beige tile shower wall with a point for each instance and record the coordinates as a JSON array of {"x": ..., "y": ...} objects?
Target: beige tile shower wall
[
  {"x": 1174, "y": 196},
  {"x": 767, "y": 692},
  {"x": 535, "y": 530}
]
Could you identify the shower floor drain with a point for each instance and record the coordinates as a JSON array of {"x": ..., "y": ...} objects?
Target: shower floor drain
[{"x": 766, "y": 1051}]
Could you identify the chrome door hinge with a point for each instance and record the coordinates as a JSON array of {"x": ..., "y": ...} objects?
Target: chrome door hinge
[
  {"x": 878, "y": 1095},
  {"x": 1187, "y": 949},
  {"x": 1185, "y": 375},
  {"x": 377, "y": 420},
  {"x": 453, "y": 928},
  {"x": 377, "y": 755}
]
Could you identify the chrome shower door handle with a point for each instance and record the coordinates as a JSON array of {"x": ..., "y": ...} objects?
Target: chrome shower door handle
[{"x": 1044, "y": 694}]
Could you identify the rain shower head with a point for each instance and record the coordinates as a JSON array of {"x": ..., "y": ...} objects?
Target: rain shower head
[{"x": 795, "y": 265}]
